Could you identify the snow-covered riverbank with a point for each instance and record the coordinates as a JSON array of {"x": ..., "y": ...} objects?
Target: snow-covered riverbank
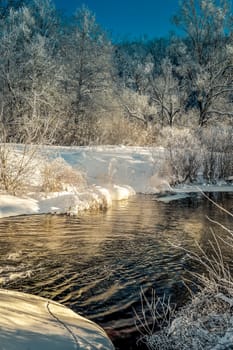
[
  {"x": 31, "y": 322},
  {"x": 111, "y": 172}
]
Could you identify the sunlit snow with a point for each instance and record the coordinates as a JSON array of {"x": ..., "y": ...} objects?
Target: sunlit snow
[{"x": 112, "y": 173}]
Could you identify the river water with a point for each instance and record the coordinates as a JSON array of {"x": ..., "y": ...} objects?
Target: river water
[{"x": 97, "y": 264}]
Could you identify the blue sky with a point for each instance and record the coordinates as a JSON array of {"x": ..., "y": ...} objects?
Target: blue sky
[{"x": 128, "y": 18}]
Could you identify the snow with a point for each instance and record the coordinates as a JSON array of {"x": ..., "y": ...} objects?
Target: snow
[
  {"x": 31, "y": 322},
  {"x": 112, "y": 173},
  {"x": 172, "y": 197},
  {"x": 219, "y": 187},
  {"x": 225, "y": 342},
  {"x": 71, "y": 203},
  {"x": 12, "y": 206},
  {"x": 136, "y": 167}
]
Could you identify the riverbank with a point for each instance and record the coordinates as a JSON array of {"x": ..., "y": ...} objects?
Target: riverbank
[
  {"x": 31, "y": 322},
  {"x": 71, "y": 180},
  {"x": 72, "y": 202}
]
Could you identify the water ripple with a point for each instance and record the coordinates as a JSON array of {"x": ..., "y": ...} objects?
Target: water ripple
[{"x": 97, "y": 264}]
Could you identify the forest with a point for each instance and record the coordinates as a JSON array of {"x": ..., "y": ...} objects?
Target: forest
[{"x": 65, "y": 81}]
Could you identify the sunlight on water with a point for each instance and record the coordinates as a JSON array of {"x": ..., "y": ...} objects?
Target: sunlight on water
[{"x": 97, "y": 264}]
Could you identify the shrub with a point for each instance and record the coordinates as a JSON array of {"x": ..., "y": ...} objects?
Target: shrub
[
  {"x": 17, "y": 164},
  {"x": 58, "y": 175},
  {"x": 184, "y": 156},
  {"x": 121, "y": 130},
  {"x": 217, "y": 156}
]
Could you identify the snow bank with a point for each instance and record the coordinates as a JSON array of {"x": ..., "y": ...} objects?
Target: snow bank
[
  {"x": 221, "y": 187},
  {"x": 112, "y": 173},
  {"x": 93, "y": 198},
  {"x": 141, "y": 168},
  {"x": 31, "y": 322},
  {"x": 12, "y": 206},
  {"x": 137, "y": 167},
  {"x": 71, "y": 203}
]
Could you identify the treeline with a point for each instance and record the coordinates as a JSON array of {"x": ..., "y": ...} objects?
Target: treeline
[{"x": 62, "y": 80}]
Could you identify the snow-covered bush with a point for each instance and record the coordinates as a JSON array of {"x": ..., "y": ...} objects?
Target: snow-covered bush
[
  {"x": 184, "y": 156},
  {"x": 57, "y": 175},
  {"x": 217, "y": 156},
  {"x": 206, "y": 152},
  {"x": 17, "y": 165},
  {"x": 204, "y": 323}
]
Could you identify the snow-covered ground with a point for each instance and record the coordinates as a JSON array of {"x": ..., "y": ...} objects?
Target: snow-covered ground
[
  {"x": 112, "y": 173},
  {"x": 31, "y": 322},
  {"x": 137, "y": 167}
]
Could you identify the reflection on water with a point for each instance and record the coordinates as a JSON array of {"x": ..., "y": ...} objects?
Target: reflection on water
[{"x": 97, "y": 264}]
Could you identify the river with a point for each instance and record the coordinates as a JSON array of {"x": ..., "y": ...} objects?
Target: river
[{"x": 98, "y": 263}]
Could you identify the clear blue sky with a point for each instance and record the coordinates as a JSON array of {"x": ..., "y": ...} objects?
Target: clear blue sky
[{"x": 133, "y": 18}]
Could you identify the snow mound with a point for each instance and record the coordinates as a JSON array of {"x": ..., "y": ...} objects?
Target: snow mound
[
  {"x": 12, "y": 206},
  {"x": 31, "y": 322},
  {"x": 119, "y": 193}
]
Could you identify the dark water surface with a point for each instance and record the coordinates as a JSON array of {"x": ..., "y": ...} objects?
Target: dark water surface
[{"x": 98, "y": 263}]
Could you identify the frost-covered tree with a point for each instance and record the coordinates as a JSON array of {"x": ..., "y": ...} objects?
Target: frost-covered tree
[
  {"x": 138, "y": 107},
  {"x": 30, "y": 74},
  {"x": 158, "y": 51},
  {"x": 167, "y": 93},
  {"x": 7, "y": 5},
  {"x": 87, "y": 54},
  {"x": 65, "y": 77},
  {"x": 206, "y": 63},
  {"x": 44, "y": 68},
  {"x": 204, "y": 22},
  {"x": 134, "y": 64}
]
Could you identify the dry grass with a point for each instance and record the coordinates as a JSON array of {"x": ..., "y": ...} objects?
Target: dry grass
[
  {"x": 156, "y": 314},
  {"x": 57, "y": 176}
]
